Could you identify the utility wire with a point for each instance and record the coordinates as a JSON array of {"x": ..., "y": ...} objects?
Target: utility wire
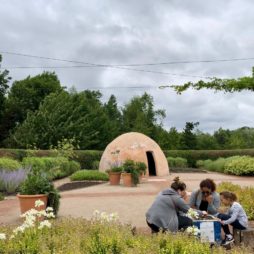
[
  {"x": 139, "y": 64},
  {"x": 115, "y": 67},
  {"x": 90, "y": 65}
]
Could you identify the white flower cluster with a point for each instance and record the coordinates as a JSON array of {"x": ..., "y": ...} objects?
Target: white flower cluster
[
  {"x": 2, "y": 236},
  {"x": 192, "y": 214},
  {"x": 193, "y": 230},
  {"x": 104, "y": 217},
  {"x": 32, "y": 219}
]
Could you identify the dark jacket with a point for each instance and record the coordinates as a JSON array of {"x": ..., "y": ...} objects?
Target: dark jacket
[{"x": 164, "y": 210}]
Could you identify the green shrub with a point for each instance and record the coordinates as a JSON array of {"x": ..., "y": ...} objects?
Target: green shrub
[
  {"x": 93, "y": 175},
  {"x": 80, "y": 236},
  {"x": 200, "y": 164},
  {"x": 240, "y": 166},
  {"x": 244, "y": 194},
  {"x": 9, "y": 164},
  {"x": 193, "y": 156},
  {"x": 1, "y": 196},
  {"x": 54, "y": 167},
  {"x": 95, "y": 165},
  {"x": 177, "y": 162},
  {"x": 86, "y": 158},
  {"x": 216, "y": 165}
]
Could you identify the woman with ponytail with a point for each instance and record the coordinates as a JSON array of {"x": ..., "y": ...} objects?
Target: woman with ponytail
[{"x": 164, "y": 214}]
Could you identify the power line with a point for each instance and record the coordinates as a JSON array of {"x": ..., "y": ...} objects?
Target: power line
[
  {"x": 90, "y": 65},
  {"x": 86, "y": 66},
  {"x": 139, "y": 64}
]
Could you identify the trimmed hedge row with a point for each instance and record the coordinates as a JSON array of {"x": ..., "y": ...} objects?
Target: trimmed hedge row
[
  {"x": 177, "y": 162},
  {"x": 88, "y": 158},
  {"x": 235, "y": 165},
  {"x": 193, "y": 156},
  {"x": 55, "y": 167},
  {"x": 89, "y": 175}
]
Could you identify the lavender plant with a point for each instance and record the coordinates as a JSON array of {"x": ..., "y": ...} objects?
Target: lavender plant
[{"x": 11, "y": 180}]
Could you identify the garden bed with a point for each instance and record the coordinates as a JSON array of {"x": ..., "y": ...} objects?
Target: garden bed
[{"x": 78, "y": 185}]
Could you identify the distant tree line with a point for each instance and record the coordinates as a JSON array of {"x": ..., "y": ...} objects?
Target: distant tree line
[{"x": 37, "y": 112}]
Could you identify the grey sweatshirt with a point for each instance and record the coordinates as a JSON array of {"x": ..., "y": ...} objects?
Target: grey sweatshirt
[
  {"x": 164, "y": 210},
  {"x": 196, "y": 197},
  {"x": 237, "y": 213}
]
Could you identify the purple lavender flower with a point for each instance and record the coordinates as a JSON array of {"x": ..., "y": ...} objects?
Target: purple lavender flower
[{"x": 11, "y": 180}]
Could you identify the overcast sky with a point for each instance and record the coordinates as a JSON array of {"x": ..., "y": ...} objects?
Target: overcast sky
[{"x": 114, "y": 32}]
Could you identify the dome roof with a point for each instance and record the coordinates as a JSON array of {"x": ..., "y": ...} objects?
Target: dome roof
[{"x": 138, "y": 147}]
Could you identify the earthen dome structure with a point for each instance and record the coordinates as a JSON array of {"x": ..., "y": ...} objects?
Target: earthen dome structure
[{"x": 138, "y": 147}]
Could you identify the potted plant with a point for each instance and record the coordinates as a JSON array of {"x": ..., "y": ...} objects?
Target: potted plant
[
  {"x": 114, "y": 175},
  {"x": 141, "y": 167},
  {"x": 130, "y": 173},
  {"x": 37, "y": 186}
]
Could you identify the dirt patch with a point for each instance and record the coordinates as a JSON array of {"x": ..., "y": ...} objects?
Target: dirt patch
[{"x": 78, "y": 185}]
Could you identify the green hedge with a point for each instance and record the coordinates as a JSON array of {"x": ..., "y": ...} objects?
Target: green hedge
[
  {"x": 216, "y": 165},
  {"x": 193, "y": 156},
  {"x": 89, "y": 175},
  {"x": 243, "y": 165},
  {"x": 88, "y": 158},
  {"x": 235, "y": 165},
  {"x": 9, "y": 164},
  {"x": 55, "y": 167},
  {"x": 177, "y": 162}
]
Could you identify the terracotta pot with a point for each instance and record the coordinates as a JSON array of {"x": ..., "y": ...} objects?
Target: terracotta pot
[
  {"x": 127, "y": 179},
  {"x": 27, "y": 202},
  {"x": 140, "y": 178},
  {"x": 114, "y": 178}
]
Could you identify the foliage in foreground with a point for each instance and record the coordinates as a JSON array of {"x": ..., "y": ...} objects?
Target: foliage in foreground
[
  {"x": 95, "y": 175},
  {"x": 244, "y": 194},
  {"x": 95, "y": 237}
]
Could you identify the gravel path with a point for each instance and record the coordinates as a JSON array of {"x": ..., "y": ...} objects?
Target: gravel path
[{"x": 130, "y": 203}]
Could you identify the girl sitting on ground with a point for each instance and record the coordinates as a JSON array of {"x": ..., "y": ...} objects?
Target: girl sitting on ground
[{"x": 235, "y": 216}]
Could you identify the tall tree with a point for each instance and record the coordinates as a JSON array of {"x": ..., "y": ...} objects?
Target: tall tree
[
  {"x": 188, "y": 138},
  {"x": 65, "y": 116},
  {"x": 222, "y": 137},
  {"x": 139, "y": 115},
  {"x": 168, "y": 140},
  {"x": 4, "y": 80},
  {"x": 115, "y": 117},
  {"x": 24, "y": 96},
  {"x": 205, "y": 141}
]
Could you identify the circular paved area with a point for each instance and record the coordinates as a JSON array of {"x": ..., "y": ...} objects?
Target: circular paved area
[{"x": 131, "y": 204}]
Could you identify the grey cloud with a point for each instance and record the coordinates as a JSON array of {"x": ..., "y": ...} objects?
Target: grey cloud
[{"x": 122, "y": 32}]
